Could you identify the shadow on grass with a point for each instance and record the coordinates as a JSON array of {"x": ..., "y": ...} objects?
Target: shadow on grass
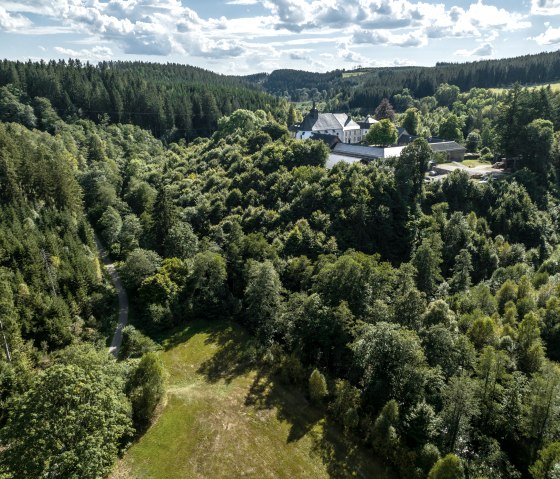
[
  {"x": 234, "y": 357},
  {"x": 342, "y": 455}
]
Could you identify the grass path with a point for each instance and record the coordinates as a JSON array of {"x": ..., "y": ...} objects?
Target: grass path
[{"x": 223, "y": 419}]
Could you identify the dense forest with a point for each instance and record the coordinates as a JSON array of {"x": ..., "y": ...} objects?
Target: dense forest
[
  {"x": 424, "y": 318},
  {"x": 363, "y": 89},
  {"x": 173, "y": 101}
]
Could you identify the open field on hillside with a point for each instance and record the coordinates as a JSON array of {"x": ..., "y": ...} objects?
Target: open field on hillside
[
  {"x": 223, "y": 418},
  {"x": 554, "y": 86}
]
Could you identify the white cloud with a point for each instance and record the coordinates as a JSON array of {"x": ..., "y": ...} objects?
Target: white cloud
[
  {"x": 411, "y": 39},
  {"x": 550, "y": 37},
  {"x": 285, "y": 31},
  {"x": 479, "y": 20},
  {"x": 242, "y": 2},
  {"x": 545, "y": 7},
  {"x": 10, "y": 22},
  {"x": 299, "y": 55},
  {"x": 484, "y": 50},
  {"x": 95, "y": 54}
]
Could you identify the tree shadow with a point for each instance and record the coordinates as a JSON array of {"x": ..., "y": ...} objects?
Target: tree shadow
[
  {"x": 266, "y": 393},
  {"x": 235, "y": 355},
  {"x": 344, "y": 457}
]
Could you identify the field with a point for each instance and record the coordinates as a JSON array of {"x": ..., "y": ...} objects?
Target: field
[
  {"x": 223, "y": 418},
  {"x": 554, "y": 87},
  {"x": 353, "y": 74}
]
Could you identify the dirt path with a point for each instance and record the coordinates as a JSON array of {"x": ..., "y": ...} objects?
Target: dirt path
[{"x": 123, "y": 298}]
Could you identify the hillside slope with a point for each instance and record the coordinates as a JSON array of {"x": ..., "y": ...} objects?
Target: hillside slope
[{"x": 224, "y": 419}]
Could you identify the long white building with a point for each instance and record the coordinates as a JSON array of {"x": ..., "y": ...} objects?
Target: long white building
[{"x": 336, "y": 124}]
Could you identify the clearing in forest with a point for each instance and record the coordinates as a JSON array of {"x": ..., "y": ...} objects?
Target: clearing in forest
[{"x": 222, "y": 418}]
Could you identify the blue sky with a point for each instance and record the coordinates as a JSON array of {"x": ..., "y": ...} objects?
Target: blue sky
[{"x": 248, "y": 36}]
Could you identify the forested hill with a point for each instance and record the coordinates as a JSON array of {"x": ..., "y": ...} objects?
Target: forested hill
[
  {"x": 173, "y": 101},
  {"x": 364, "y": 88}
]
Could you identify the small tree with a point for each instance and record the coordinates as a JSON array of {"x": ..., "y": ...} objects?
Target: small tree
[
  {"x": 411, "y": 121},
  {"x": 451, "y": 128},
  {"x": 384, "y": 111},
  {"x": 448, "y": 467},
  {"x": 382, "y": 133},
  {"x": 548, "y": 462},
  {"x": 473, "y": 141},
  {"x": 317, "y": 386},
  {"x": 145, "y": 388}
]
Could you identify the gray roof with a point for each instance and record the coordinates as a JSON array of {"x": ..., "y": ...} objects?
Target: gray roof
[
  {"x": 328, "y": 121},
  {"x": 447, "y": 146},
  {"x": 358, "y": 151},
  {"x": 333, "y": 159},
  {"x": 330, "y": 140}
]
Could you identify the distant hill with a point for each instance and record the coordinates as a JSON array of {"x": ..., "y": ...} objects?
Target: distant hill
[
  {"x": 172, "y": 100},
  {"x": 365, "y": 87}
]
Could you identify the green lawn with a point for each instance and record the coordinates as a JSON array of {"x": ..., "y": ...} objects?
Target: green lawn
[
  {"x": 222, "y": 418},
  {"x": 474, "y": 163}
]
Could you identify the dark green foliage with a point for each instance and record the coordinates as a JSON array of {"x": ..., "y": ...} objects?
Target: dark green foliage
[
  {"x": 135, "y": 344},
  {"x": 433, "y": 306},
  {"x": 175, "y": 101},
  {"x": 384, "y": 111},
  {"x": 139, "y": 265}
]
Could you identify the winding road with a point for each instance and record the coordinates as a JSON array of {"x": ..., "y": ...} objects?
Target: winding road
[{"x": 123, "y": 297}]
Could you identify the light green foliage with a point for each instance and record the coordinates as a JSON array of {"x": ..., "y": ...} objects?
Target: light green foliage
[
  {"x": 262, "y": 299},
  {"x": 473, "y": 141},
  {"x": 448, "y": 467},
  {"x": 75, "y": 421},
  {"x": 382, "y": 133},
  {"x": 540, "y": 423},
  {"x": 207, "y": 283},
  {"x": 110, "y": 224},
  {"x": 410, "y": 168},
  {"x": 181, "y": 242},
  {"x": 145, "y": 388},
  {"x": 243, "y": 121},
  {"x": 411, "y": 121},
  {"x": 13, "y": 110},
  {"x": 546, "y": 466},
  {"x": 451, "y": 128},
  {"x": 384, "y": 434},
  {"x": 540, "y": 141},
  {"x": 345, "y": 404},
  {"x": 421, "y": 424},
  {"x": 317, "y": 386},
  {"x": 531, "y": 351}
]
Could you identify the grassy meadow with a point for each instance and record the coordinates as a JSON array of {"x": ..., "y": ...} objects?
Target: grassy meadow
[{"x": 223, "y": 418}]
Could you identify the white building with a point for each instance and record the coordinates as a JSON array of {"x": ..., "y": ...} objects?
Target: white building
[{"x": 336, "y": 124}]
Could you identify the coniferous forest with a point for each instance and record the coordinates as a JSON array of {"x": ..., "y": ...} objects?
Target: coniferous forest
[{"x": 422, "y": 318}]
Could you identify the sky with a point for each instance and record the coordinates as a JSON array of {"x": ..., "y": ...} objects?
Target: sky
[{"x": 250, "y": 36}]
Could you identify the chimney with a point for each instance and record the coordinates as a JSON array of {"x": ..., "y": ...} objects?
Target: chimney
[{"x": 314, "y": 113}]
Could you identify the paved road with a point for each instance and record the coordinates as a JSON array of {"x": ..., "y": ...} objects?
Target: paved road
[{"x": 123, "y": 298}]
